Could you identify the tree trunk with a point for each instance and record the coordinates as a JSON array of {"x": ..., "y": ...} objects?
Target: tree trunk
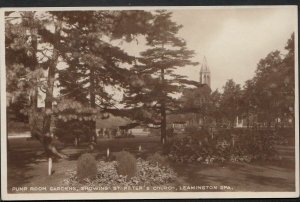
[
  {"x": 41, "y": 129},
  {"x": 93, "y": 136},
  {"x": 248, "y": 119},
  {"x": 46, "y": 133},
  {"x": 33, "y": 118},
  {"x": 163, "y": 126},
  {"x": 49, "y": 93}
]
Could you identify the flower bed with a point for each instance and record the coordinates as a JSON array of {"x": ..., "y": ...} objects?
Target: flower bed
[
  {"x": 147, "y": 175},
  {"x": 234, "y": 146}
]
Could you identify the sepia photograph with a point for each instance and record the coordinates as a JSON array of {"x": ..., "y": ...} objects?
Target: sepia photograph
[{"x": 149, "y": 102}]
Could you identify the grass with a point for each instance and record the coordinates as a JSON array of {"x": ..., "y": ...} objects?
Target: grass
[
  {"x": 17, "y": 127},
  {"x": 27, "y": 166}
]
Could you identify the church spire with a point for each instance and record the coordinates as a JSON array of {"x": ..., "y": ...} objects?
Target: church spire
[
  {"x": 204, "y": 66},
  {"x": 205, "y": 73}
]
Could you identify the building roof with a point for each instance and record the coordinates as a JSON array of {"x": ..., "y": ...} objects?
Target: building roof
[{"x": 113, "y": 122}]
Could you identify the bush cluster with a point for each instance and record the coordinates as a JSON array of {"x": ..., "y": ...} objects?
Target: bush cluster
[
  {"x": 126, "y": 164},
  {"x": 86, "y": 167},
  {"x": 226, "y": 145}
]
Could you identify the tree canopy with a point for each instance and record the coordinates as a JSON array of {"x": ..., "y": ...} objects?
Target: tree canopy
[{"x": 153, "y": 95}]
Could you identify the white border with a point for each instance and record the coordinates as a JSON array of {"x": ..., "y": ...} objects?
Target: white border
[
  {"x": 141, "y": 8},
  {"x": 297, "y": 106},
  {"x": 131, "y": 195}
]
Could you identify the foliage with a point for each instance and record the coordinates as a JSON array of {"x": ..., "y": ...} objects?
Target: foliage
[
  {"x": 153, "y": 78},
  {"x": 69, "y": 130},
  {"x": 126, "y": 164},
  {"x": 284, "y": 136},
  {"x": 230, "y": 101},
  {"x": 39, "y": 44},
  {"x": 197, "y": 99},
  {"x": 73, "y": 119},
  {"x": 99, "y": 63},
  {"x": 270, "y": 94},
  {"x": 86, "y": 167},
  {"x": 157, "y": 159},
  {"x": 226, "y": 145}
]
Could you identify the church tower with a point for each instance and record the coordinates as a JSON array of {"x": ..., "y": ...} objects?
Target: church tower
[{"x": 205, "y": 73}]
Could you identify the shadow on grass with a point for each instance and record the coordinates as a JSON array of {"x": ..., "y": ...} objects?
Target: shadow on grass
[
  {"x": 277, "y": 182},
  {"x": 18, "y": 166},
  {"x": 240, "y": 176},
  {"x": 23, "y": 157}
]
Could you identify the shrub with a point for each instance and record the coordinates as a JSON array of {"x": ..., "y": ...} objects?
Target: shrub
[
  {"x": 248, "y": 145},
  {"x": 157, "y": 159},
  {"x": 126, "y": 164},
  {"x": 196, "y": 132},
  {"x": 69, "y": 130},
  {"x": 86, "y": 167}
]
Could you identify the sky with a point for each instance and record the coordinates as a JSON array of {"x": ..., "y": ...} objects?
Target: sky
[{"x": 233, "y": 39}]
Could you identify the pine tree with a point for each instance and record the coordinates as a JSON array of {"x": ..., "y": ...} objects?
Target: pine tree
[
  {"x": 154, "y": 81},
  {"x": 22, "y": 39},
  {"x": 95, "y": 61}
]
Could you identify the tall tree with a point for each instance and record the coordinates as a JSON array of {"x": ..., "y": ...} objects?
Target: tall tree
[
  {"x": 215, "y": 103},
  {"x": 287, "y": 88},
  {"x": 58, "y": 33},
  {"x": 230, "y": 101},
  {"x": 270, "y": 94},
  {"x": 249, "y": 102},
  {"x": 156, "y": 80},
  {"x": 25, "y": 37},
  {"x": 94, "y": 63}
]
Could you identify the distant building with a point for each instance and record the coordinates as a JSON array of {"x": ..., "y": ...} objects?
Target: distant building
[
  {"x": 139, "y": 131},
  {"x": 179, "y": 126},
  {"x": 180, "y": 121},
  {"x": 205, "y": 76},
  {"x": 110, "y": 126},
  {"x": 114, "y": 126}
]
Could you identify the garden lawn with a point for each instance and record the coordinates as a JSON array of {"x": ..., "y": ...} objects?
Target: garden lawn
[{"x": 27, "y": 166}]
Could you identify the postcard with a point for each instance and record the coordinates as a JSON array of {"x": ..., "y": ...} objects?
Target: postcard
[{"x": 149, "y": 102}]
